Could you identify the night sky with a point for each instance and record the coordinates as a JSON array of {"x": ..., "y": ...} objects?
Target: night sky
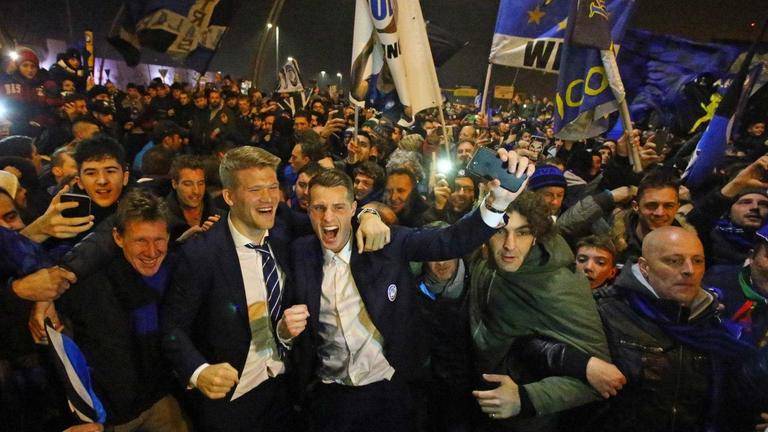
[{"x": 318, "y": 33}]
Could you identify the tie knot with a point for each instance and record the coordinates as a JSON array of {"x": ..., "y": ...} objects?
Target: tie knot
[{"x": 263, "y": 248}]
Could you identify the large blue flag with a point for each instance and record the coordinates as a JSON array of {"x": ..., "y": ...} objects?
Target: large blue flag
[
  {"x": 529, "y": 33},
  {"x": 187, "y": 30},
  {"x": 713, "y": 143},
  {"x": 589, "y": 87},
  {"x": 660, "y": 74}
]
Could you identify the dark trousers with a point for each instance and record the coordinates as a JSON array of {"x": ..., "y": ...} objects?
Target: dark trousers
[
  {"x": 383, "y": 406},
  {"x": 266, "y": 408}
]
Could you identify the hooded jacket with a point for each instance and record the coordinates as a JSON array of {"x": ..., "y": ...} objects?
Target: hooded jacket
[{"x": 545, "y": 297}]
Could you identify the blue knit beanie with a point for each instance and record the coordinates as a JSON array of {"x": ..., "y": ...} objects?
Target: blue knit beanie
[{"x": 546, "y": 176}]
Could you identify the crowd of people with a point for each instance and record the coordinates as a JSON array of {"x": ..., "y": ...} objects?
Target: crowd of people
[{"x": 241, "y": 260}]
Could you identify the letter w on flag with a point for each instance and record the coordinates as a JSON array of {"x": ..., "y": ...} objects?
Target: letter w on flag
[
  {"x": 589, "y": 87},
  {"x": 529, "y": 33},
  {"x": 188, "y": 31}
]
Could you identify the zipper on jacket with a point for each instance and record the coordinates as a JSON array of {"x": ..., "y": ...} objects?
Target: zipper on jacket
[
  {"x": 651, "y": 349},
  {"x": 677, "y": 378}
]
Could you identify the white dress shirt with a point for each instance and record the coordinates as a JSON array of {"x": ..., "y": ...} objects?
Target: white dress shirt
[
  {"x": 263, "y": 360},
  {"x": 351, "y": 350}
]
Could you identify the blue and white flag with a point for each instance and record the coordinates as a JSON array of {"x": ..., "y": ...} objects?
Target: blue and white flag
[
  {"x": 392, "y": 59},
  {"x": 73, "y": 370},
  {"x": 187, "y": 30},
  {"x": 289, "y": 78},
  {"x": 529, "y": 33}
]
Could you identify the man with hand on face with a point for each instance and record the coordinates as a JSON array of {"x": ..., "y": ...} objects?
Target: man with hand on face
[
  {"x": 226, "y": 319},
  {"x": 363, "y": 331}
]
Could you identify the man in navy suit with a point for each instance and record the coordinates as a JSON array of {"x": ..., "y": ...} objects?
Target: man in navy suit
[
  {"x": 362, "y": 345},
  {"x": 225, "y": 320}
]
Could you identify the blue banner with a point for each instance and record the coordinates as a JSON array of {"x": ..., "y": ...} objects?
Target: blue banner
[{"x": 529, "y": 33}]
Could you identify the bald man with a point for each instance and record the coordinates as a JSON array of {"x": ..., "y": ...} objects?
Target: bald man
[{"x": 666, "y": 337}]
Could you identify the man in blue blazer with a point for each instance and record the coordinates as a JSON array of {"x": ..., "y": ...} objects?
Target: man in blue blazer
[
  {"x": 362, "y": 345},
  {"x": 225, "y": 319}
]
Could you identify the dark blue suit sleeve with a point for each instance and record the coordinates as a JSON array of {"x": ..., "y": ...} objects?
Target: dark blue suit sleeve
[{"x": 455, "y": 241}]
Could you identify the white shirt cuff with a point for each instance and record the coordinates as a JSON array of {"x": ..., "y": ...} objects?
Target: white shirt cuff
[
  {"x": 490, "y": 218},
  {"x": 286, "y": 343},
  {"x": 195, "y": 374}
]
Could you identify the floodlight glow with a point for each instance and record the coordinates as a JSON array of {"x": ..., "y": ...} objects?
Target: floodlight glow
[{"x": 13, "y": 55}]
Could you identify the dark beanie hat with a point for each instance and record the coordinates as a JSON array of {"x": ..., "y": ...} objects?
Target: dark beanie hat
[
  {"x": 545, "y": 176},
  {"x": 752, "y": 190},
  {"x": 71, "y": 53}
]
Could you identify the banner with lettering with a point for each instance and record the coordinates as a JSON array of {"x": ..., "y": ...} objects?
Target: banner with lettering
[
  {"x": 589, "y": 86},
  {"x": 529, "y": 33},
  {"x": 188, "y": 31},
  {"x": 392, "y": 66}
]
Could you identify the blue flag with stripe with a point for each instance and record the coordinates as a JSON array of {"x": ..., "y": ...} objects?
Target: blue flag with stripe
[
  {"x": 529, "y": 33},
  {"x": 187, "y": 30},
  {"x": 73, "y": 370},
  {"x": 589, "y": 87}
]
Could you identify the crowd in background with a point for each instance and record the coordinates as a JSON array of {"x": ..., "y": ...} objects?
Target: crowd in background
[{"x": 607, "y": 299}]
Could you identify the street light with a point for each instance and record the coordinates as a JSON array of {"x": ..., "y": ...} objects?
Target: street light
[
  {"x": 269, "y": 25},
  {"x": 290, "y": 59},
  {"x": 338, "y": 74},
  {"x": 13, "y": 55},
  {"x": 277, "y": 50}
]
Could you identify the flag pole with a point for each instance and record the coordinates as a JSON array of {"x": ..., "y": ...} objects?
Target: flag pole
[
  {"x": 617, "y": 88},
  {"x": 485, "y": 88}
]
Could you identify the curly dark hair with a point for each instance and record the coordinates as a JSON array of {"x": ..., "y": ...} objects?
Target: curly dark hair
[{"x": 533, "y": 208}]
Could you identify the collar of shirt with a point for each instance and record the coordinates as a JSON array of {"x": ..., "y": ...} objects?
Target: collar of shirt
[
  {"x": 345, "y": 254},
  {"x": 240, "y": 240}
]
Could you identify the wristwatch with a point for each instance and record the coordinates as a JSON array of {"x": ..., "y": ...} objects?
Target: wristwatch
[{"x": 367, "y": 210}]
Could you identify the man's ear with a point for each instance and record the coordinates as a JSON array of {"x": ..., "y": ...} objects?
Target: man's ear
[
  {"x": 126, "y": 177},
  {"x": 635, "y": 205},
  {"x": 119, "y": 241},
  {"x": 227, "y": 195},
  {"x": 643, "y": 265}
]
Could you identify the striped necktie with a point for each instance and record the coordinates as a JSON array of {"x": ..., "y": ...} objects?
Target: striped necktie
[{"x": 271, "y": 280}]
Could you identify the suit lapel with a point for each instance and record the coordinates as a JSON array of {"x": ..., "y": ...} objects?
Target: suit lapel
[
  {"x": 314, "y": 274},
  {"x": 232, "y": 275}
]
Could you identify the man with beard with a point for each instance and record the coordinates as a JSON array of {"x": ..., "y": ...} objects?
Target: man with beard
[
  {"x": 451, "y": 204},
  {"x": 404, "y": 199},
  {"x": 189, "y": 205},
  {"x": 728, "y": 219},
  {"x": 300, "y": 201},
  {"x": 358, "y": 151}
]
